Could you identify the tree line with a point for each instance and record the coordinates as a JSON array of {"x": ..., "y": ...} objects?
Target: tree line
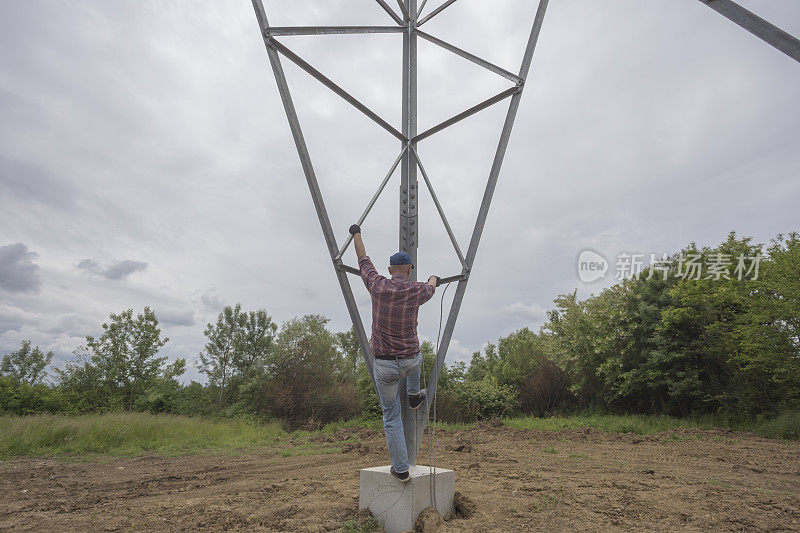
[{"x": 659, "y": 342}]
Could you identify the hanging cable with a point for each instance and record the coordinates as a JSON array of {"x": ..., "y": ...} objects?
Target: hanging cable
[{"x": 432, "y": 427}]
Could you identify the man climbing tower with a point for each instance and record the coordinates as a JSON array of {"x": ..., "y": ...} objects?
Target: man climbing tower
[{"x": 394, "y": 342}]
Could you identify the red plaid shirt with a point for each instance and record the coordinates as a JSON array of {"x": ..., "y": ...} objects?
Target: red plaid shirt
[{"x": 394, "y": 310}]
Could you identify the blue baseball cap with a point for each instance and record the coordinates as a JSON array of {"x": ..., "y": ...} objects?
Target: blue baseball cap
[{"x": 401, "y": 258}]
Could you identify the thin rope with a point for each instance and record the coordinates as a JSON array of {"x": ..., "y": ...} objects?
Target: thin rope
[
  {"x": 427, "y": 424},
  {"x": 432, "y": 427}
]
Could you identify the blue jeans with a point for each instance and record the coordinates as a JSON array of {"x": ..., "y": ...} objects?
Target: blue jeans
[{"x": 387, "y": 376}]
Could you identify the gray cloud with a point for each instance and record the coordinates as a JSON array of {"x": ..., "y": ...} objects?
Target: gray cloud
[
  {"x": 212, "y": 301},
  {"x": 18, "y": 272},
  {"x": 176, "y": 317},
  {"x": 118, "y": 270},
  {"x": 28, "y": 183},
  {"x": 525, "y": 312},
  {"x": 73, "y": 324},
  {"x": 13, "y": 318},
  {"x": 123, "y": 269}
]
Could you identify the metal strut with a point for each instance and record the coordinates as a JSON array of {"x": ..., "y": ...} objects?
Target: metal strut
[
  {"x": 408, "y": 223},
  {"x": 766, "y": 31},
  {"x": 313, "y": 186}
]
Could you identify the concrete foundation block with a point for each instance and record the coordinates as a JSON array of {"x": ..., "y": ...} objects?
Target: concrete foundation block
[{"x": 395, "y": 504}]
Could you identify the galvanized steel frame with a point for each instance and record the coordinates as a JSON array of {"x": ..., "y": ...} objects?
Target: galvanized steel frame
[{"x": 408, "y": 23}]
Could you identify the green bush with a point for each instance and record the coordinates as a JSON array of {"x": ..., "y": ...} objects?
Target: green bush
[
  {"x": 81, "y": 390},
  {"x": 471, "y": 401},
  {"x": 21, "y": 398},
  {"x": 370, "y": 405},
  {"x": 784, "y": 426}
]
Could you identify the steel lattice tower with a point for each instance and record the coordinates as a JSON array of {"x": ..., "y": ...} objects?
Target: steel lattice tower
[{"x": 408, "y": 22}]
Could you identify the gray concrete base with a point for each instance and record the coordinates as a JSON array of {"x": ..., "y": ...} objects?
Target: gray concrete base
[{"x": 395, "y": 504}]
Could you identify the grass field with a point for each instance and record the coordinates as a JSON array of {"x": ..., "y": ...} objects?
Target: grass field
[
  {"x": 123, "y": 434},
  {"x": 785, "y": 426},
  {"x": 128, "y": 434}
]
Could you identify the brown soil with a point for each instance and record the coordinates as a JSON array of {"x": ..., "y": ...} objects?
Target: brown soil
[{"x": 519, "y": 480}]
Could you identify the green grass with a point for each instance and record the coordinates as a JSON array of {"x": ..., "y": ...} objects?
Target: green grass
[
  {"x": 128, "y": 434},
  {"x": 355, "y": 525},
  {"x": 546, "y": 501},
  {"x": 140, "y": 433},
  {"x": 785, "y": 426},
  {"x": 639, "y": 424},
  {"x": 550, "y": 449},
  {"x": 369, "y": 423},
  {"x": 375, "y": 424}
]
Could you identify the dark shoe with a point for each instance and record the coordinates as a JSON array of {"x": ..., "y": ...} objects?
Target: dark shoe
[
  {"x": 415, "y": 401},
  {"x": 402, "y": 476}
]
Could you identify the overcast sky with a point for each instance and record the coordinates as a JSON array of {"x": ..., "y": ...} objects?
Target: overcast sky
[{"x": 145, "y": 158}]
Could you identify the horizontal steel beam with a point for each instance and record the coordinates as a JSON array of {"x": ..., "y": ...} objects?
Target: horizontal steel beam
[
  {"x": 436, "y": 12},
  {"x": 374, "y": 199},
  {"x": 439, "y": 209},
  {"x": 279, "y": 31},
  {"x": 451, "y": 279},
  {"x": 469, "y": 112},
  {"x": 391, "y": 12},
  {"x": 470, "y": 57},
  {"x": 348, "y": 269},
  {"x": 297, "y": 60},
  {"x": 766, "y": 31}
]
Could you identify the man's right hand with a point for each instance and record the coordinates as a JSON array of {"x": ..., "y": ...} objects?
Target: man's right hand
[
  {"x": 433, "y": 281},
  {"x": 355, "y": 228}
]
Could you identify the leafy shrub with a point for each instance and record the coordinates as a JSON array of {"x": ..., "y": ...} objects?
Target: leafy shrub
[
  {"x": 305, "y": 369},
  {"x": 470, "y": 401},
  {"x": 784, "y": 426},
  {"x": 545, "y": 390},
  {"x": 21, "y": 398}
]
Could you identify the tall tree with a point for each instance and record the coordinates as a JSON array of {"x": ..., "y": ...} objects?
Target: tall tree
[
  {"x": 770, "y": 332},
  {"x": 26, "y": 365},
  {"x": 255, "y": 332},
  {"x": 127, "y": 353},
  {"x": 305, "y": 370},
  {"x": 477, "y": 367},
  {"x": 238, "y": 346},
  {"x": 218, "y": 359},
  {"x": 348, "y": 343}
]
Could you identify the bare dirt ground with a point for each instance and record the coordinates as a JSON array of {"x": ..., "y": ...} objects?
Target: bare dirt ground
[{"x": 570, "y": 480}]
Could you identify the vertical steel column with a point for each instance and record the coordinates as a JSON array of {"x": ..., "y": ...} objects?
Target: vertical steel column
[
  {"x": 409, "y": 189},
  {"x": 479, "y": 224},
  {"x": 408, "y": 241},
  {"x": 311, "y": 179}
]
